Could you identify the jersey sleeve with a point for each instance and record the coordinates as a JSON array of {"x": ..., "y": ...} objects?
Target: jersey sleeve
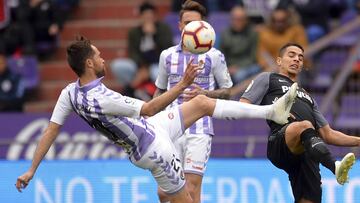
[
  {"x": 319, "y": 117},
  {"x": 162, "y": 78},
  {"x": 62, "y": 108},
  {"x": 257, "y": 89},
  {"x": 221, "y": 72},
  {"x": 120, "y": 105}
]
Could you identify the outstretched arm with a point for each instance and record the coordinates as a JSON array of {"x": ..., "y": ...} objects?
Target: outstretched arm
[
  {"x": 159, "y": 92},
  {"x": 42, "y": 148},
  {"x": 159, "y": 103},
  {"x": 223, "y": 93},
  {"x": 334, "y": 137}
]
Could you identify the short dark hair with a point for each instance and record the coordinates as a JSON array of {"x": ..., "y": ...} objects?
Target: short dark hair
[
  {"x": 77, "y": 53},
  {"x": 190, "y": 5},
  {"x": 146, "y": 6},
  {"x": 283, "y": 48}
]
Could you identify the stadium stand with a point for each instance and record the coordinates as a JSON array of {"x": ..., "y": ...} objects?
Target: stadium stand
[{"x": 107, "y": 22}]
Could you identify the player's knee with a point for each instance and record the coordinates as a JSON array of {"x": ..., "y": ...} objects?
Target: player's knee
[
  {"x": 202, "y": 101},
  {"x": 303, "y": 125},
  {"x": 306, "y": 124},
  {"x": 163, "y": 197}
]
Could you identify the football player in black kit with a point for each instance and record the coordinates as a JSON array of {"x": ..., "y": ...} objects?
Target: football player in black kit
[{"x": 298, "y": 147}]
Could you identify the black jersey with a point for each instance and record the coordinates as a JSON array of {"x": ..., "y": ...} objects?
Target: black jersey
[{"x": 267, "y": 87}]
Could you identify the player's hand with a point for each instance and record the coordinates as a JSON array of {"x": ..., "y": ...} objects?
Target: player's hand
[
  {"x": 191, "y": 72},
  {"x": 193, "y": 92},
  {"x": 23, "y": 180}
]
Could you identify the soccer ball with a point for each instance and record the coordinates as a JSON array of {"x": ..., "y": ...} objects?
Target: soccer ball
[{"x": 198, "y": 37}]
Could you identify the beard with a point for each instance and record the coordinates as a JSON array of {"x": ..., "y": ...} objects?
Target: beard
[{"x": 100, "y": 73}]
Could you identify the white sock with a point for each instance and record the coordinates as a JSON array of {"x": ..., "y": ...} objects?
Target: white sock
[{"x": 230, "y": 110}]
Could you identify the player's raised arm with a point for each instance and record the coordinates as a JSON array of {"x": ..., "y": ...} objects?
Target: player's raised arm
[
  {"x": 159, "y": 103},
  {"x": 42, "y": 148}
]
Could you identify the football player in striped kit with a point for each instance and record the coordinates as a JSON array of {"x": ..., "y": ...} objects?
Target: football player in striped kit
[
  {"x": 213, "y": 81},
  {"x": 138, "y": 127}
]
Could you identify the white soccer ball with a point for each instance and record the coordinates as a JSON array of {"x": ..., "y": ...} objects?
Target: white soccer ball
[{"x": 198, "y": 37}]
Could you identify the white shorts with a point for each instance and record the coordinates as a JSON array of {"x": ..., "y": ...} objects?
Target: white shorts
[
  {"x": 194, "y": 151},
  {"x": 161, "y": 157}
]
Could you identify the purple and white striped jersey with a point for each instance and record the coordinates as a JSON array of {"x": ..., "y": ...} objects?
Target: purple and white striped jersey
[
  {"x": 115, "y": 115},
  {"x": 215, "y": 74}
]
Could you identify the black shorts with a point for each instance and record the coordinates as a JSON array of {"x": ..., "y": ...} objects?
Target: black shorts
[{"x": 304, "y": 173}]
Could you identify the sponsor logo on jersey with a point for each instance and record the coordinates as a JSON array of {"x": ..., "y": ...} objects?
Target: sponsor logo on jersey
[
  {"x": 281, "y": 80},
  {"x": 300, "y": 94},
  {"x": 198, "y": 79}
]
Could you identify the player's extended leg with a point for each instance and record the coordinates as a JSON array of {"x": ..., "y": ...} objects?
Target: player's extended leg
[
  {"x": 224, "y": 109},
  {"x": 301, "y": 136},
  {"x": 182, "y": 196},
  {"x": 193, "y": 184}
]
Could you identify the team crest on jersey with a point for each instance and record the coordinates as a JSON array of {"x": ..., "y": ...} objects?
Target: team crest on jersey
[{"x": 171, "y": 115}]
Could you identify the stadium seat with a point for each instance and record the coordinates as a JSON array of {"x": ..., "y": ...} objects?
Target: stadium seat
[
  {"x": 349, "y": 114},
  {"x": 329, "y": 115},
  {"x": 350, "y": 38},
  {"x": 27, "y": 67},
  {"x": 328, "y": 64},
  {"x": 219, "y": 21},
  {"x": 172, "y": 19}
]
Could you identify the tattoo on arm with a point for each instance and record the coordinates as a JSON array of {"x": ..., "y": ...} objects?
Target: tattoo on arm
[{"x": 223, "y": 93}]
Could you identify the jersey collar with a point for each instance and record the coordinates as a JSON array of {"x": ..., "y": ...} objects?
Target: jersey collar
[
  {"x": 179, "y": 48},
  {"x": 90, "y": 85}
]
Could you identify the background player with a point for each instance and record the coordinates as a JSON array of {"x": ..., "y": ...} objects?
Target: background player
[
  {"x": 298, "y": 147},
  {"x": 193, "y": 148},
  {"x": 149, "y": 142}
]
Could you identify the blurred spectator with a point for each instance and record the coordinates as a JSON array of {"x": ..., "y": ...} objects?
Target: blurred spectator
[
  {"x": 279, "y": 31},
  {"x": 4, "y": 14},
  {"x": 357, "y": 6},
  {"x": 145, "y": 43},
  {"x": 239, "y": 45},
  {"x": 67, "y": 5},
  {"x": 260, "y": 10},
  {"x": 17, "y": 36},
  {"x": 314, "y": 16},
  {"x": 11, "y": 88},
  {"x": 210, "y": 5},
  {"x": 46, "y": 21}
]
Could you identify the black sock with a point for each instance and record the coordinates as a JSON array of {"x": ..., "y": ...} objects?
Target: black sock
[{"x": 317, "y": 149}]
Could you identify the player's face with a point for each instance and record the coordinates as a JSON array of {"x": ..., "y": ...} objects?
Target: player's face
[
  {"x": 187, "y": 17},
  {"x": 99, "y": 63},
  {"x": 291, "y": 62}
]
